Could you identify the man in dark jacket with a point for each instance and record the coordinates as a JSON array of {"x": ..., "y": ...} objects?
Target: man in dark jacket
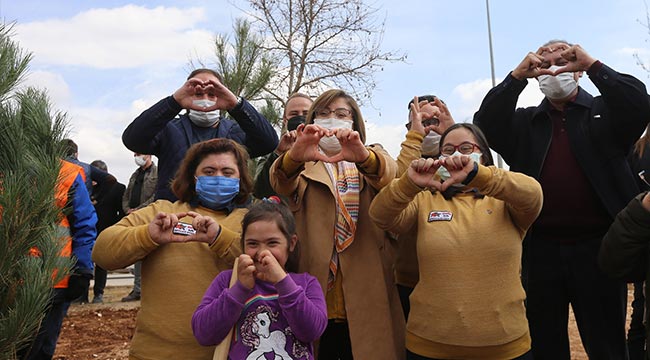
[
  {"x": 575, "y": 145},
  {"x": 160, "y": 131},
  {"x": 624, "y": 252}
]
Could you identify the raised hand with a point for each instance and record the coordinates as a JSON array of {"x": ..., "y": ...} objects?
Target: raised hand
[
  {"x": 416, "y": 115},
  {"x": 533, "y": 65},
  {"x": 577, "y": 59},
  {"x": 160, "y": 228},
  {"x": 459, "y": 167},
  {"x": 196, "y": 89},
  {"x": 422, "y": 172},
  {"x": 352, "y": 149},
  {"x": 444, "y": 117},
  {"x": 246, "y": 271},
  {"x": 207, "y": 229},
  {"x": 305, "y": 148},
  {"x": 286, "y": 141},
  {"x": 268, "y": 268}
]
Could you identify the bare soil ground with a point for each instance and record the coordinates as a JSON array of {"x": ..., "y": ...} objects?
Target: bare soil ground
[{"x": 104, "y": 331}]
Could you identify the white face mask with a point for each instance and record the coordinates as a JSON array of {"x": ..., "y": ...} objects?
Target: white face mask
[
  {"x": 330, "y": 144},
  {"x": 444, "y": 173},
  {"x": 430, "y": 144},
  {"x": 140, "y": 160},
  {"x": 557, "y": 87},
  {"x": 204, "y": 118}
]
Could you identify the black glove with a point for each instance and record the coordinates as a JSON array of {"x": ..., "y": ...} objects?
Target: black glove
[{"x": 78, "y": 285}]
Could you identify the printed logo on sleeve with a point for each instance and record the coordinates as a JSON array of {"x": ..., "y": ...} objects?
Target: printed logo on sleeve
[{"x": 437, "y": 215}]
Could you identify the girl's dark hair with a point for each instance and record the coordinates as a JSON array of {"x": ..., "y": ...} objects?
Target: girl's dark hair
[
  {"x": 184, "y": 183},
  {"x": 481, "y": 141},
  {"x": 283, "y": 218}
]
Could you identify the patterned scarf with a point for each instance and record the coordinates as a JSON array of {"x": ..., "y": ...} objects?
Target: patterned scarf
[{"x": 345, "y": 177}]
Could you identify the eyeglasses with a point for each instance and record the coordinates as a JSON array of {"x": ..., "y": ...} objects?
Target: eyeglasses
[
  {"x": 465, "y": 148},
  {"x": 340, "y": 113}
]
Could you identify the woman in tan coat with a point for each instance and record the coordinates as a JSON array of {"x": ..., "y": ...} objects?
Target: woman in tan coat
[{"x": 330, "y": 178}]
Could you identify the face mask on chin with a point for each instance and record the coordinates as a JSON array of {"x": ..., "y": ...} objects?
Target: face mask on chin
[
  {"x": 557, "y": 87},
  {"x": 330, "y": 144},
  {"x": 204, "y": 118}
]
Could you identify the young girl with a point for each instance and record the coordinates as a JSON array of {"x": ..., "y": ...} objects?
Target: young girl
[{"x": 273, "y": 311}]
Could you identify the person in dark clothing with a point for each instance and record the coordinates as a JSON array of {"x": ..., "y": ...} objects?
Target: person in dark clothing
[
  {"x": 139, "y": 193},
  {"x": 91, "y": 173},
  {"x": 107, "y": 200},
  {"x": 575, "y": 145},
  {"x": 624, "y": 252},
  {"x": 636, "y": 343},
  {"x": 294, "y": 114},
  {"x": 162, "y": 132}
]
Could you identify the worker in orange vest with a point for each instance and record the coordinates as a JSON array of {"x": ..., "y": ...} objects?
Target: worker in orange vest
[{"x": 77, "y": 227}]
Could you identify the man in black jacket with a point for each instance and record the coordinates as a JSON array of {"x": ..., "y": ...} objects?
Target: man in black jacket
[{"x": 575, "y": 145}]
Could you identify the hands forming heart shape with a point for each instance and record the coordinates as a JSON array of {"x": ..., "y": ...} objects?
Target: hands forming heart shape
[
  {"x": 305, "y": 147},
  {"x": 422, "y": 171},
  {"x": 208, "y": 89},
  {"x": 570, "y": 59}
]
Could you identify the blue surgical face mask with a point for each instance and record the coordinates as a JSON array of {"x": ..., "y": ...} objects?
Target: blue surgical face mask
[
  {"x": 216, "y": 192},
  {"x": 444, "y": 173}
]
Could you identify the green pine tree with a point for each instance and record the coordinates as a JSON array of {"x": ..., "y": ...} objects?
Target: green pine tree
[{"x": 30, "y": 135}]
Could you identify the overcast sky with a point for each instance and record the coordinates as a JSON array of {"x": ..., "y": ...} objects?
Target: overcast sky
[{"x": 104, "y": 62}]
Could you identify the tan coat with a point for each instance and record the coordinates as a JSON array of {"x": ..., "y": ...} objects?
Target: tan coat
[{"x": 373, "y": 309}]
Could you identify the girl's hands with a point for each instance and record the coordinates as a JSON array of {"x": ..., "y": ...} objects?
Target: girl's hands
[
  {"x": 265, "y": 268},
  {"x": 246, "y": 271},
  {"x": 268, "y": 268}
]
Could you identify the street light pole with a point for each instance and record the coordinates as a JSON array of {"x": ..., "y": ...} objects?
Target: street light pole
[{"x": 487, "y": 7}]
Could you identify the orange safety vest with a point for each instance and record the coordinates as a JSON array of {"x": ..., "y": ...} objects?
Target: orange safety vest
[{"x": 67, "y": 175}]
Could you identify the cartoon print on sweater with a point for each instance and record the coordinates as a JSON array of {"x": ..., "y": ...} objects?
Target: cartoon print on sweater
[{"x": 256, "y": 333}]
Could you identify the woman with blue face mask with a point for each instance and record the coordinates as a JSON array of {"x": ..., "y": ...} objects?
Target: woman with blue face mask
[
  {"x": 469, "y": 300},
  {"x": 183, "y": 246}
]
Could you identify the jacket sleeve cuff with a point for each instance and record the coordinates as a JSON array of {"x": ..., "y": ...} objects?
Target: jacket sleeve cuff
[
  {"x": 221, "y": 245},
  {"x": 594, "y": 68},
  {"x": 482, "y": 177},
  {"x": 288, "y": 165},
  {"x": 173, "y": 104},
  {"x": 370, "y": 165}
]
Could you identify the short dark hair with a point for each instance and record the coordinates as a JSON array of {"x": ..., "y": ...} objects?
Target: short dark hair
[
  {"x": 100, "y": 165},
  {"x": 183, "y": 185},
  {"x": 481, "y": 141},
  {"x": 70, "y": 148},
  {"x": 429, "y": 98},
  {"x": 283, "y": 218},
  {"x": 205, "y": 70}
]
